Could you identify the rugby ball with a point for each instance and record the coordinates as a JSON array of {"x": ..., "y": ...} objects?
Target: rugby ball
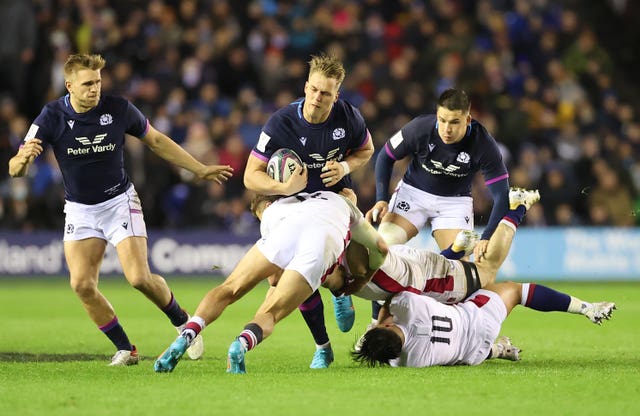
[{"x": 282, "y": 164}]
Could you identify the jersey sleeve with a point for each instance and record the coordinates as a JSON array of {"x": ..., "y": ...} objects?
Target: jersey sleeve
[
  {"x": 406, "y": 141},
  {"x": 496, "y": 178},
  {"x": 266, "y": 144},
  {"x": 40, "y": 128},
  {"x": 359, "y": 128},
  {"x": 491, "y": 164},
  {"x": 137, "y": 124}
]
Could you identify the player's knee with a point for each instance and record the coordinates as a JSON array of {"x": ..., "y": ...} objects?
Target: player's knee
[
  {"x": 140, "y": 281},
  {"x": 84, "y": 288},
  {"x": 392, "y": 233}
]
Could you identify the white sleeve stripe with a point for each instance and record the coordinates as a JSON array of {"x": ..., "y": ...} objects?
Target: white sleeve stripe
[{"x": 33, "y": 130}]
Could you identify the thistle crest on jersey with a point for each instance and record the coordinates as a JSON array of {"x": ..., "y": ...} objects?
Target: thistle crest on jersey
[
  {"x": 106, "y": 119},
  {"x": 282, "y": 163}
]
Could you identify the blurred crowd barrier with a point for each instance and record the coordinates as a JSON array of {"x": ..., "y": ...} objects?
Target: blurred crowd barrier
[{"x": 575, "y": 253}]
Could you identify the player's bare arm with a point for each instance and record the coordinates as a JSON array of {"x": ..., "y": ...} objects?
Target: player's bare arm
[
  {"x": 378, "y": 211},
  {"x": 480, "y": 250},
  {"x": 333, "y": 171},
  {"x": 19, "y": 164},
  {"x": 170, "y": 151},
  {"x": 256, "y": 179},
  {"x": 384, "y": 316}
]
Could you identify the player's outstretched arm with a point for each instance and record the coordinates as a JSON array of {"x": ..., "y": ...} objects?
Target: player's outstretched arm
[
  {"x": 173, "y": 153},
  {"x": 27, "y": 153}
]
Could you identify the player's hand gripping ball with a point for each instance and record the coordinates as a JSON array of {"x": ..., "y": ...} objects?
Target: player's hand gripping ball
[{"x": 282, "y": 164}]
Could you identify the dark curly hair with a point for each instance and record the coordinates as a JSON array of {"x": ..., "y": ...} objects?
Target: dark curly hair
[{"x": 379, "y": 346}]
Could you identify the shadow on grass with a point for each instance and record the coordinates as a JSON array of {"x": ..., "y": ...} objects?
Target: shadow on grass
[{"x": 27, "y": 357}]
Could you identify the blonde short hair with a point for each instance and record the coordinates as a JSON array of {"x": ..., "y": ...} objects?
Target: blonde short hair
[
  {"x": 75, "y": 63},
  {"x": 328, "y": 65}
]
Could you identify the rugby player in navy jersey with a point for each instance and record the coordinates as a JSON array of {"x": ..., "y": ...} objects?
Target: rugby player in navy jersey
[
  {"x": 331, "y": 138},
  {"x": 446, "y": 150},
  {"x": 86, "y": 132}
]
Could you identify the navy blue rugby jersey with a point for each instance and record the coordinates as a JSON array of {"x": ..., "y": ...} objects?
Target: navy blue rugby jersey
[
  {"x": 89, "y": 147},
  {"x": 446, "y": 169},
  {"x": 343, "y": 132}
]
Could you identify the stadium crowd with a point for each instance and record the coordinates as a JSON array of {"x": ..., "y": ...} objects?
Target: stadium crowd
[{"x": 209, "y": 73}]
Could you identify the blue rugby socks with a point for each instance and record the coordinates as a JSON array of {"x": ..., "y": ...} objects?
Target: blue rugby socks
[{"x": 114, "y": 331}]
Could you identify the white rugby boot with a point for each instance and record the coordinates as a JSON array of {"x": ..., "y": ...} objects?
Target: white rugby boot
[
  {"x": 599, "y": 311},
  {"x": 521, "y": 196},
  {"x": 466, "y": 241},
  {"x": 503, "y": 348},
  {"x": 123, "y": 358}
]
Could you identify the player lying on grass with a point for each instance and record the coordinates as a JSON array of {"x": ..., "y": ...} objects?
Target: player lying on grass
[
  {"x": 418, "y": 331},
  {"x": 428, "y": 273},
  {"x": 303, "y": 251}
]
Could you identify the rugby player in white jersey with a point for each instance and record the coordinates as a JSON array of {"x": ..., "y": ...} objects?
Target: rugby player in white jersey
[
  {"x": 86, "y": 132},
  {"x": 302, "y": 251},
  {"x": 418, "y": 331}
]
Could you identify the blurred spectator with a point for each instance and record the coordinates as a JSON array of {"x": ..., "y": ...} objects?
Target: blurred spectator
[
  {"x": 545, "y": 78},
  {"x": 558, "y": 189},
  {"x": 17, "y": 50},
  {"x": 610, "y": 202}
]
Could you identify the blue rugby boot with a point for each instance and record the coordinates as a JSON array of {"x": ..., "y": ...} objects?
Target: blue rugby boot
[
  {"x": 344, "y": 312},
  {"x": 235, "y": 358},
  {"x": 170, "y": 357},
  {"x": 322, "y": 358}
]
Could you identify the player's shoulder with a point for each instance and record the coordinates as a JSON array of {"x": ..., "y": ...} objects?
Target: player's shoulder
[
  {"x": 114, "y": 102},
  {"x": 347, "y": 109},
  {"x": 480, "y": 132},
  {"x": 422, "y": 124},
  {"x": 419, "y": 130},
  {"x": 293, "y": 109},
  {"x": 425, "y": 119},
  {"x": 58, "y": 105},
  {"x": 290, "y": 113}
]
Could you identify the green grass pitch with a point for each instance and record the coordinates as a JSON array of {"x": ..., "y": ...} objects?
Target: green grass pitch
[{"x": 53, "y": 362}]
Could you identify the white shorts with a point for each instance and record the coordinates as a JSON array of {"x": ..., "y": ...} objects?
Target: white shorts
[
  {"x": 112, "y": 220},
  {"x": 486, "y": 312},
  {"x": 310, "y": 249},
  {"x": 418, "y": 207}
]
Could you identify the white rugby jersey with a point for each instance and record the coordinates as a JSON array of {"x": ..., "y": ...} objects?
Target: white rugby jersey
[
  {"x": 418, "y": 271},
  {"x": 322, "y": 206},
  {"x": 438, "y": 334},
  {"x": 435, "y": 334}
]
